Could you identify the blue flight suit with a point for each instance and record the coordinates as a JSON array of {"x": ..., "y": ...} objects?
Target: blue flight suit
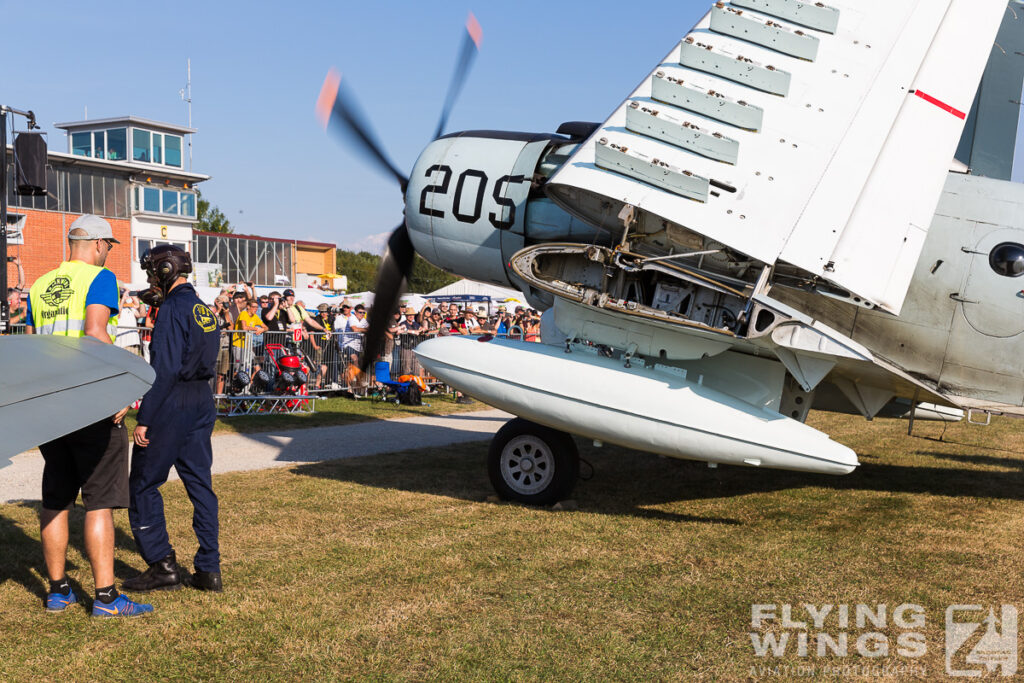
[{"x": 179, "y": 412}]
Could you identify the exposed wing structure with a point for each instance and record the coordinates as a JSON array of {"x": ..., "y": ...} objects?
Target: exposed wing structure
[
  {"x": 809, "y": 134},
  {"x": 55, "y": 385}
]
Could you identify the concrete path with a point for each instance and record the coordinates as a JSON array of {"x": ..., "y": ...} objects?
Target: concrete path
[{"x": 242, "y": 452}]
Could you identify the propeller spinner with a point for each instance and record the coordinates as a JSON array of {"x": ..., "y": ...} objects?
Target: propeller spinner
[{"x": 337, "y": 108}]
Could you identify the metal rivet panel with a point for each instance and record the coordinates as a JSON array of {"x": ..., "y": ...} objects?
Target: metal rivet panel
[
  {"x": 811, "y": 14},
  {"x": 709, "y": 103},
  {"x": 763, "y": 31},
  {"x": 621, "y": 159},
  {"x": 680, "y": 132},
  {"x": 717, "y": 62}
]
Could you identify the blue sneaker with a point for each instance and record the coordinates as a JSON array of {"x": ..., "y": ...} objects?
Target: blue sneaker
[
  {"x": 58, "y": 602},
  {"x": 120, "y": 607}
]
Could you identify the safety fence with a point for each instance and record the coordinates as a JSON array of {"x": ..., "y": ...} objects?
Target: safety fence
[
  {"x": 290, "y": 361},
  {"x": 310, "y": 362},
  {"x": 279, "y": 371}
]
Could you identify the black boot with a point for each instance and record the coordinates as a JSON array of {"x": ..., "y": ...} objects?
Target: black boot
[
  {"x": 162, "y": 575},
  {"x": 206, "y": 581}
]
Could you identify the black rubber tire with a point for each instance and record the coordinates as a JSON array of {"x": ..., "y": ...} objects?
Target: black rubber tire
[{"x": 554, "y": 463}]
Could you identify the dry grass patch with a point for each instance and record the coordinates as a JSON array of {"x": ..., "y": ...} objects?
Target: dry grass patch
[{"x": 395, "y": 567}]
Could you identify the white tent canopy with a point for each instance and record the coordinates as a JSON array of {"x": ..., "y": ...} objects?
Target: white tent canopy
[
  {"x": 313, "y": 297},
  {"x": 474, "y": 288}
]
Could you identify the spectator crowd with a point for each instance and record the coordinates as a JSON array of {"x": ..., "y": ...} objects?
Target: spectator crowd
[{"x": 329, "y": 336}]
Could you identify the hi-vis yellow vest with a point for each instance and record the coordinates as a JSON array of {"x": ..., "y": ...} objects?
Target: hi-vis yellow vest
[{"x": 58, "y": 300}]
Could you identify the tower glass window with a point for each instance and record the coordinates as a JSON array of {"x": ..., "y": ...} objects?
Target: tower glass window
[
  {"x": 140, "y": 144},
  {"x": 81, "y": 144},
  {"x": 158, "y": 148},
  {"x": 170, "y": 202},
  {"x": 99, "y": 146},
  {"x": 172, "y": 150},
  {"x": 151, "y": 199},
  {"x": 117, "y": 144}
]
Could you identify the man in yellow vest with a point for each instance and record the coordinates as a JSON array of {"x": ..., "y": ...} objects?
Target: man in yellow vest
[{"x": 80, "y": 299}]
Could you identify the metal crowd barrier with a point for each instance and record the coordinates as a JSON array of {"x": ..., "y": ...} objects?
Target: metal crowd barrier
[
  {"x": 332, "y": 360},
  {"x": 249, "y": 365}
]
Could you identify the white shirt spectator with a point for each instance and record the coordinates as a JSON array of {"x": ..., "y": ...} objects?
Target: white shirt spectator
[
  {"x": 356, "y": 324},
  {"x": 127, "y": 337}
]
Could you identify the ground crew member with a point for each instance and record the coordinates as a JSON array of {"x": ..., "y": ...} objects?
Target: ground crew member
[
  {"x": 79, "y": 299},
  {"x": 175, "y": 423}
]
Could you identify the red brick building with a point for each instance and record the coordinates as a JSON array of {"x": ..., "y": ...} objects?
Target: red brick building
[{"x": 47, "y": 246}]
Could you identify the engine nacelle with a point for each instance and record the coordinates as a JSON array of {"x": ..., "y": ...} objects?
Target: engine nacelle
[{"x": 474, "y": 199}]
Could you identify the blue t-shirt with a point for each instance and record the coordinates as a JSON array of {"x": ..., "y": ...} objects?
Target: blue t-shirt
[{"x": 103, "y": 290}]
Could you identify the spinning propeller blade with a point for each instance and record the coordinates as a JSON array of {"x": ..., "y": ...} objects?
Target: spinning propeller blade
[
  {"x": 470, "y": 46},
  {"x": 337, "y": 107},
  {"x": 391, "y": 280}
]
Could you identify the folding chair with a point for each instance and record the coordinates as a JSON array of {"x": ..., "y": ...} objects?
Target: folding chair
[{"x": 382, "y": 373}]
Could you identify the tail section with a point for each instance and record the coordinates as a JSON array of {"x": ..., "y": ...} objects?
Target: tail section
[{"x": 988, "y": 141}]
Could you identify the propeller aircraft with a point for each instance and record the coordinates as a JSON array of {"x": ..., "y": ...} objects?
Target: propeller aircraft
[{"x": 804, "y": 204}]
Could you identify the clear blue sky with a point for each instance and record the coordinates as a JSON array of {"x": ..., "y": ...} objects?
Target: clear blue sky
[{"x": 257, "y": 68}]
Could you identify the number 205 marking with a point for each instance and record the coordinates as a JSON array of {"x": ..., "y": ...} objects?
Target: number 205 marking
[{"x": 440, "y": 186}]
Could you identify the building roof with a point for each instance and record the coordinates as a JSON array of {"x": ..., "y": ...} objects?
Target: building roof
[
  {"x": 126, "y": 120},
  {"x": 260, "y": 238}
]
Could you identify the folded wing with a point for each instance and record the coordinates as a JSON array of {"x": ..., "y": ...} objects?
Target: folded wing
[{"x": 809, "y": 134}]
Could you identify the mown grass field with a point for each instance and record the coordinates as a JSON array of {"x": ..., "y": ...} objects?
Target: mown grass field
[{"x": 397, "y": 567}]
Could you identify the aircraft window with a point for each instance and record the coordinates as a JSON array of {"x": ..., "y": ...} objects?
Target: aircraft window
[{"x": 1008, "y": 259}]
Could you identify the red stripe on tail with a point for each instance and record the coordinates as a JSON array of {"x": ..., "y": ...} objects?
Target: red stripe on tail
[{"x": 940, "y": 104}]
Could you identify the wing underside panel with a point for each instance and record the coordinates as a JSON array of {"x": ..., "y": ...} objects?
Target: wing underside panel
[{"x": 55, "y": 385}]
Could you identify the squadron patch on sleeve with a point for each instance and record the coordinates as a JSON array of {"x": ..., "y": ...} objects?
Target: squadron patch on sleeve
[{"x": 204, "y": 318}]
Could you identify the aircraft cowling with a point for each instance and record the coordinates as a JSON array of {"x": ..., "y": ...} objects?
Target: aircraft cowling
[{"x": 470, "y": 198}]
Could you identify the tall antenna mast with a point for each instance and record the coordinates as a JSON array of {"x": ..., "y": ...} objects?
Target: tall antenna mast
[{"x": 186, "y": 95}]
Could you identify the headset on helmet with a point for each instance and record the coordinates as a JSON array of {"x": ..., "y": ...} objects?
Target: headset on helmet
[{"x": 164, "y": 265}]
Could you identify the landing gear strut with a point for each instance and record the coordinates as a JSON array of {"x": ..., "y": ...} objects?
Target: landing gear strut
[{"x": 532, "y": 464}]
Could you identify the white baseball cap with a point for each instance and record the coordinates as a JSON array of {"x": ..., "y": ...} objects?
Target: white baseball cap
[{"x": 94, "y": 227}]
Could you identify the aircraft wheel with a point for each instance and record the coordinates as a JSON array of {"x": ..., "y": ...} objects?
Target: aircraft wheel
[{"x": 532, "y": 464}]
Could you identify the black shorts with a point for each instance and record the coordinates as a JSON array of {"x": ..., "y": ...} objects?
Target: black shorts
[{"x": 94, "y": 460}]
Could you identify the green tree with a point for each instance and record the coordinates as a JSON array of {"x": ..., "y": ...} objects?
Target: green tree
[
  {"x": 426, "y": 277},
  {"x": 210, "y": 218},
  {"x": 361, "y": 270}
]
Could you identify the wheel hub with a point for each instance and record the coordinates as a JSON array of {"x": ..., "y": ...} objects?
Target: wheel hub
[{"x": 527, "y": 464}]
